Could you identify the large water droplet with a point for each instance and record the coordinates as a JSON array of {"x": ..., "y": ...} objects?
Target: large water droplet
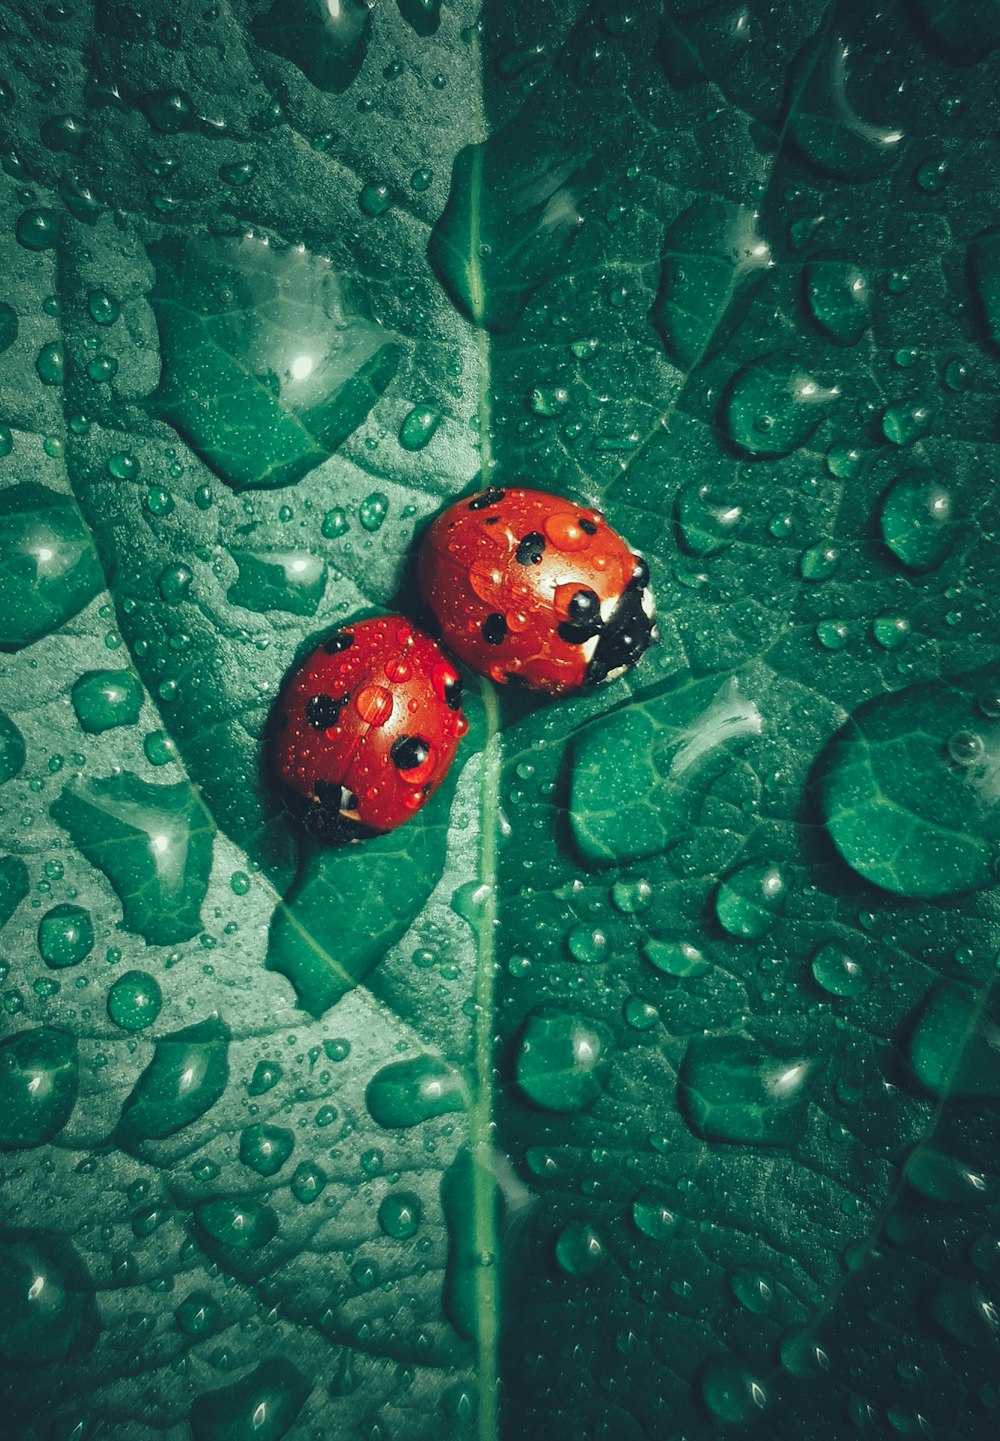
[
  {"x": 134, "y": 1000},
  {"x": 506, "y": 228},
  {"x": 187, "y": 1075},
  {"x": 898, "y": 807},
  {"x": 579, "y": 1249},
  {"x": 638, "y": 777},
  {"x": 327, "y": 42},
  {"x": 773, "y": 407},
  {"x": 749, "y": 900},
  {"x": 154, "y": 844},
  {"x": 270, "y": 358},
  {"x": 839, "y": 299},
  {"x": 104, "y": 699},
  {"x": 706, "y": 522},
  {"x": 730, "y": 1392},
  {"x": 48, "y": 1308},
  {"x": 824, "y": 124},
  {"x": 953, "y": 1043},
  {"x": 14, "y": 886},
  {"x": 561, "y": 1060},
  {"x": 265, "y": 1149},
  {"x": 733, "y": 1089},
  {"x": 916, "y": 520},
  {"x": 238, "y": 1223},
  {"x": 65, "y": 936},
  {"x": 399, "y": 1215},
  {"x": 291, "y": 580},
  {"x": 39, "y": 1080},
  {"x": 49, "y": 568},
  {"x": 710, "y": 255},
  {"x": 408, "y": 1092}
]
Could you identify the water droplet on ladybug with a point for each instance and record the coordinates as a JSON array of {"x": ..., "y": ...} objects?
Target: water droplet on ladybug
[{"x": 374, "y": 704}]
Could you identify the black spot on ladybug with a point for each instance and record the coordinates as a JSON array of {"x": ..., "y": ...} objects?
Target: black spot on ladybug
[
  {"x": 408, "y": 752},
  {"x": 340, "y": 640},
  {"x": 513, "y": 678},
  {"x": 584, "y": 612},
  {"x": 492, "y": 520},
  {"x": 584, "y": 607},
  {"x": 530, "y": 548},
  {"x": 453, "y": 693},
  {"x": 494, "y": 629},
  {"x": 488, "y": 498},
  {"x": 322, "y": 711},
  {"x": 587, "y": 526}
]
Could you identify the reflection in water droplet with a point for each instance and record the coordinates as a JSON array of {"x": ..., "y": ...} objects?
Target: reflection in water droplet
[
  {"x": 579, "y": 1249},
  {"x": 749, "y": 900},
  {"x": 406, "y": 1093},
  {"x": 773, "y": 407},
  {"x": 39, "y": 1081}
]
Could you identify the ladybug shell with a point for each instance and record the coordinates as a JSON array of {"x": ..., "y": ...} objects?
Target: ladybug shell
[
  {"x": 528, "y": 587},
  {"x": 369, "y": 724}
]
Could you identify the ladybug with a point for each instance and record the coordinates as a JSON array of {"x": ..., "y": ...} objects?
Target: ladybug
[
  {"x": 368, "y": 726},
  {"x": 530, "y": 588}
]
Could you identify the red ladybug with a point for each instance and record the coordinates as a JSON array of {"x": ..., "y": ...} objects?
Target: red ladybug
[
  {"x": 527, "y": 587},
  {"x": 369, "y": 724}
]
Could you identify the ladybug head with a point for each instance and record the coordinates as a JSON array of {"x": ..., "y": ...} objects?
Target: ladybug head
[{"x": 625, "y": 633}]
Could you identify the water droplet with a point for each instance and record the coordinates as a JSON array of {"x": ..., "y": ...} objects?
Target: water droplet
[
  {"x": 373, "y": 510},
  {"x": 261, "y": 1406},
  {"x": 653, "y": 1215},
  {"x": 907, "y": 421},
  {"x": 825, "y": 126},
  {"x": 712, "y": 257},
  {"x": 49, "y": 1310},
  {"x": 587, "y": 944},
  {"x": 134, "y": 1000},
  {"x": 418, "y": 427},
  {"x": 891, "y": 632},
  {"x": 952, "y": 1043},
  {"x": 819, "y": 562},
  {"x": 308, "y": 1182},
  {"x": 752, "y": 1289},
  {"x": 289, "y": 580},
  {"x": 899, "y": 810},
  {"x": 773, "y": 407},
  {"x": 52, "y": 569},
  {"x": 154, "y": 844},
  {"x": 104, "y": 308},
  {"x": 65, "y": 936},
  {"x": 561, "y": 1060},
  {"x": 749, "y": 900},
  {"x": 706, "y": 523},
  {"x": 631, "y": 897},
  {"x": 730, "y": 1392},
  {"x": 836, "y": 972},
  {"x": 270, "y": 361},
  {"x": 579, "y": 1249},
  {"x": 916, "y": 520},
  {"x": 675, "y": 958},
  {"x": 399, "y": 1215},
  {"x": 732, "y": 1089},
  {"x": 185, "y": 1078},
  {"x": 328, "y": 43},
  {"x": 839, "y": 299},
  {"x": 199, "y": 1314},
  {"x": 103, "y": 699},
  {"x": 265, "y": 1149},
  {"x": 38, "y": 229},
  {"x": 39, "y": 1081},
  {"x": 409, "y": 1092}
]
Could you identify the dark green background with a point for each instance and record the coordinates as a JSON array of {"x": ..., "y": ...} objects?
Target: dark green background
[{"x": 647, "y": 1084}]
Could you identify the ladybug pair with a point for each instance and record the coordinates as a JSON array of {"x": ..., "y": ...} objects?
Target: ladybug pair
[{"x": 525, "y": 588}]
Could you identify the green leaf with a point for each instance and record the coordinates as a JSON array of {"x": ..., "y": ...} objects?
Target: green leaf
[{"x": 645, "y": 1083}]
